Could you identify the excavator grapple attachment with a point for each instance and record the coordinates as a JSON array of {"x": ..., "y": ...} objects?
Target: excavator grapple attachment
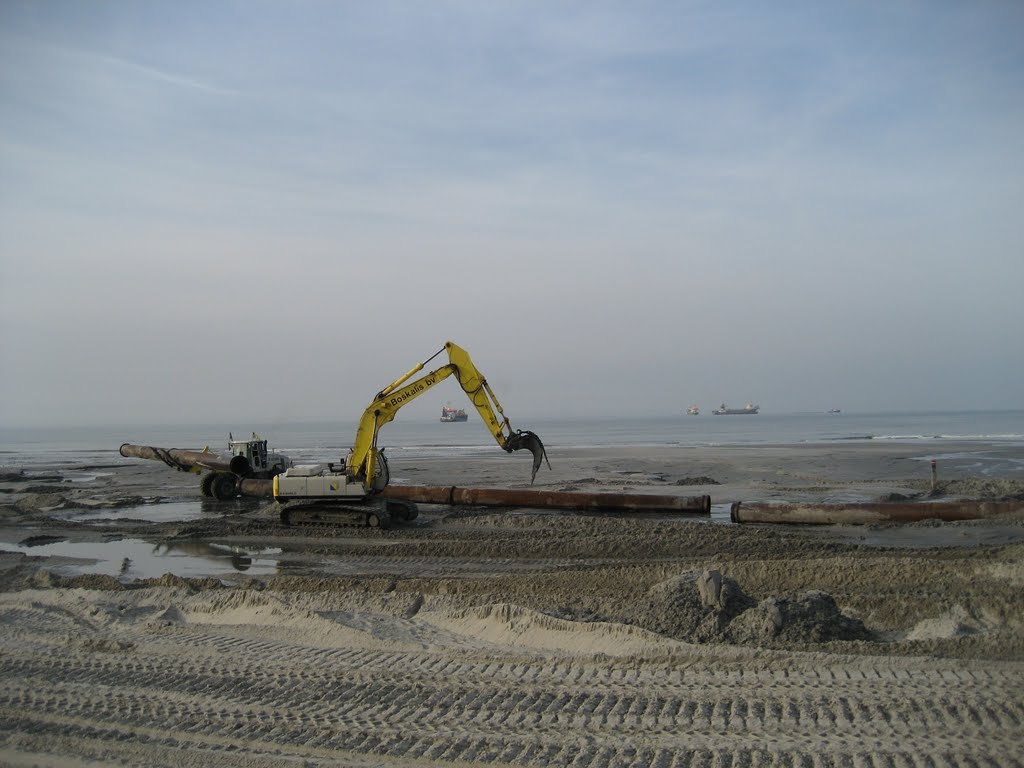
[{"x": 524, "y": 438}]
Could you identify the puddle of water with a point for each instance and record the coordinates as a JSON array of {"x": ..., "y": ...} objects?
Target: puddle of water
[
  {"x": 173, "y": 511},
  {"x": 721, "y": 513},
  {"x": 162, "y": 512},
  {"x": 139, "y": 559},
  {"x": 80, "y": 476}
]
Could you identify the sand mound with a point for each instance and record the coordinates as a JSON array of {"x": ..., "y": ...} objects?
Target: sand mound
[
  {"x": 957, "y": 622},
  {"x": 811, "y": 616},
  {"x": 47, "y": 580},
  {"x": 708, "y": 607},
  {"x": 512, "y": 625},
  {"x": 245, "y": 607},
  {"x": 694, "y": 606},
  {"x": 250, "y": 611},
  {"x": 699, "y": 480}
]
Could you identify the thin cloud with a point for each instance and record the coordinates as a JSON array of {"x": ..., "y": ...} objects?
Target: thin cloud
[{"x": 166, "y": 77}]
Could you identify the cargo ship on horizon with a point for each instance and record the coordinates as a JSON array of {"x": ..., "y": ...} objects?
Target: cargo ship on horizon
[
  {"x": 449, "y": 414},
  {"x": 725, "y": 410}
]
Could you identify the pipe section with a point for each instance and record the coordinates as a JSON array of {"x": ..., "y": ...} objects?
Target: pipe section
[
  {"x": 500, "y": 497},
  {"x": 866, "y": 513},
  {"x": 179, "y": 458},
  {"x": 254, "y": 487},
  {"x": 538, "y": 499}
]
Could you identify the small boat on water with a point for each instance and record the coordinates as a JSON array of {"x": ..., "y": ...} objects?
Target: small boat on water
[
  {"x": 693, "y": 410},
  {"x": 834, "y": 410},
  {"x": 725, "y": 410},
  {"x": 449, "y": 414}
]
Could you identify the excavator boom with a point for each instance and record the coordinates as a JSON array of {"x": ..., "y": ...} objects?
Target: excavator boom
[{"x": 361, "y": 462}]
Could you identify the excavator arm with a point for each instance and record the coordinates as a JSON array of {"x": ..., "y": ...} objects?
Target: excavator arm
[{"x": 361, "y": 464}]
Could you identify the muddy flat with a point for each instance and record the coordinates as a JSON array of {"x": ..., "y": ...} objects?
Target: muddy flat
[{"x": 141, "y": 624}]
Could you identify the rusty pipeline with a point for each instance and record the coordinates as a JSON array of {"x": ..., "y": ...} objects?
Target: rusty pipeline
[
  {"x": 179, "y": 458},
  {"x": 866, "y": 513},
  {"x": 256, "y": 487},
  {"x": 503, "y": 497}
]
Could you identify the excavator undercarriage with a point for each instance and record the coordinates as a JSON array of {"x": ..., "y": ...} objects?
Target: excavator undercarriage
[{"x": 375, "y": 513}]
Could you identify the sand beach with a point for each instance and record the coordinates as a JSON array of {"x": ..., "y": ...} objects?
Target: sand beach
[{"x": 482, "y": 636}]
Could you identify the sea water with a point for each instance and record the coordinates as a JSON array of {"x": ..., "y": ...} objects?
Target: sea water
[{"x": 94, "y": 449}]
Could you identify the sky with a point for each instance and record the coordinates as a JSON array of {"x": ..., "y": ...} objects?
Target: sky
[{"x": 268, "y": 210}]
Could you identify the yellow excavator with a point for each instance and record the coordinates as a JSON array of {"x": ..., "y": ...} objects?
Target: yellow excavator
[{"x": 349, "y": 493}]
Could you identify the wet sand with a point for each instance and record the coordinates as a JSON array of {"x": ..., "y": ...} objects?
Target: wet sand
[{"x": 521, "y": 637}]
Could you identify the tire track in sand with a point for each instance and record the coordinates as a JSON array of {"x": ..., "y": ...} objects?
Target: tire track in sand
[{"x": 413, "y": 705}]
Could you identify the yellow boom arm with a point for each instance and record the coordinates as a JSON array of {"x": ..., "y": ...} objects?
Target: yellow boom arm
[{"x": 361, "y": 463}]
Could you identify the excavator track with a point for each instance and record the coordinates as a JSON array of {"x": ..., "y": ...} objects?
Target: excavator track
[{"x": 333, "y": 514}]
